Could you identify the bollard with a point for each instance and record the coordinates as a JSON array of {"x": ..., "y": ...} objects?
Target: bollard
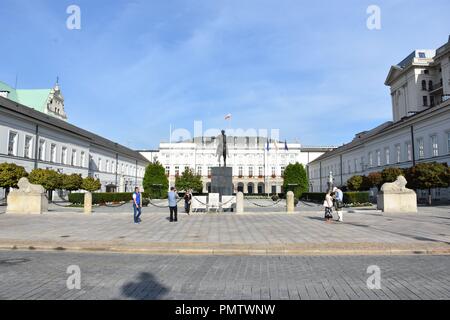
[
  {"x": 290, "y": 202},
  {"x": 239, "y": 203},
  {"x": 88, "y": 203}
]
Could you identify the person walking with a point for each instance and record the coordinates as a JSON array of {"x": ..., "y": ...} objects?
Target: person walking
[
  {"x": 173, "y": 197},
  {"x": 328, "y": 204},
  {"x": 137, "y": 207},
  {"x": 339, "y": 203},
  {"x": 187, "y": 201}
]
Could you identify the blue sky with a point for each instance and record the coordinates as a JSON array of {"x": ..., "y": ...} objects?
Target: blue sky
[{"x": 309, "y": 68}]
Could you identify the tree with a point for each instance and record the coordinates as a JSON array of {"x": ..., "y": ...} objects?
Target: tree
[
  {"x": 189, "y": 180},
  {"x": 49, "y": 179},
  {"x": 374, "y": 179},
  {"x": 71, "y": 182},
  {"x": 155, "y": 181},
  {"x": 295, "y": 179},
  {"x": 91, "y": 184},
  {"x": 391, "y": 174},
  {"x": 10, "y": 175},
  {"x": 355, "y": 183},
  {"x": 427, "y": 176}
]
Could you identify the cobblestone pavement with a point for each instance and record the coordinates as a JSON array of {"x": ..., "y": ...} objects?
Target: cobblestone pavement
[
  {"x": 43, "y": 275},
  {"x": 362, "y": 226}
]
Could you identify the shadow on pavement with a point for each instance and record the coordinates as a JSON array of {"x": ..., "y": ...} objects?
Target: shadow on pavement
[{"x": 145, "y": 288}]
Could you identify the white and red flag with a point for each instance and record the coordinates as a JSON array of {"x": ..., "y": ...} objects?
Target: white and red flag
[{"x": 228, "y": 116}]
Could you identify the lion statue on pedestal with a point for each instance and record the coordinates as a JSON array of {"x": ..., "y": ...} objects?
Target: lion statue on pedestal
[{"x": 398, "y": 185}]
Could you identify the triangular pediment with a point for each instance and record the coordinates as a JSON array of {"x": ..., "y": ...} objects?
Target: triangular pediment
[{"x": 394, "y": 72}]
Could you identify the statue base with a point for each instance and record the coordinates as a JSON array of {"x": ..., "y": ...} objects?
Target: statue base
[
  {"x": 397, "y": 202},
  {"x": 222, "y": 181},
  {"x": 23, "y": 203}
]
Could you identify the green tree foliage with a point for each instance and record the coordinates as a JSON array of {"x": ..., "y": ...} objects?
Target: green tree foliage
[
  {"x": 295, "y": 179},
  {"x": 374, "y": 179},
  {"x": 10, "y": 174},
  {"x": 91, "y": 184},
  {"x": 391, "y": 174},
  {"x": 49, "y": 179},
  {"x": 427, "y": 176},
  {"x": 189, "y": 180},
  {"x": 71, "y": 182},
  {"x": 355, "y": 183},
  {"x": 155, "y": 181}
]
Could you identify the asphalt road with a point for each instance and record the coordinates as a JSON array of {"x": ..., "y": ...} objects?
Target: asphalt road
[{"x": 44, "y": 275}]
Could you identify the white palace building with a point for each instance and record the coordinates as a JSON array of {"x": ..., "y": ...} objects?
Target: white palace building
[
  {"x": 35, "y": 133},
  {"x": 419, "y": 131},
  {"x": 257, "y": 166}
]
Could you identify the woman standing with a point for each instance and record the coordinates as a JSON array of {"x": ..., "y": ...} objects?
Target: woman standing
[
  {"x": 187, "y": 201},
  {"x": 328, "y": 204}
]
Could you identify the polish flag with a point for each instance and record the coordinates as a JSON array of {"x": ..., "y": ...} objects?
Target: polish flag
[{"x": 228, "y": 116}]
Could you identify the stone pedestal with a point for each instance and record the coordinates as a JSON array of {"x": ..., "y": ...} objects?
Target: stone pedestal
[
  {"x": 23, "y": 203},
  {"x": 88, "y": 203},
  {"x": 239, "y": 203},
  {"x": 222, "y": 181},
  {"x": 397, "y": 202},
  {"x": 290, "y": 204}
]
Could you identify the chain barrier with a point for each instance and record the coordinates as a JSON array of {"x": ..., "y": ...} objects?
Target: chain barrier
[
  {"x": 161, "y": 206},
  {"x": 264, "y": 206}
]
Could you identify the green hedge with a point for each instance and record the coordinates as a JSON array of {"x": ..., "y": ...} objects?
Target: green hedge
[
  {"x": 99, "y": 198},
  {"x": 349, "y": 197}
]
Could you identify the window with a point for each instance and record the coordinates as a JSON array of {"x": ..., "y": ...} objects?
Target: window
[
  {"x": 261, "y": 169},
  {"x": 274, "y": 171},
  {"x": 186, "y": 168},
  {"x": 422, "y": 55},
  {"x": 53, "y": 153},
  {"x": 250, "y": 171},
  {"x": 240, "y": 171},
  {"x": 387, "y": 153},
  {"x": 177, "y": 170},
  {"x": 349, "y": 166},
  {"x": 424, "y": 85},
  {"x": 167, "y": 170},
  {"x": 421, "y": 147},
  {"x": 448, "y": 142},
  {"x": 430, "y": 85},
  {"x": 41, "y": 150},
  {"x": 199, "y": 170},
  {"x": 426, "y": 71},
  {"x": 425, "y": 101},
  {"x": 431, "y": 101},
  {"x": 408, "y": 151},
  {"x": 64, "y": 155},
  {"x": 209, "y": 171},
  {"x": 370, "y": 160},
  {"x": 434, "y": 146},
  {"x": 355, "y": 163},
  {"x": 107, "y": 166},
  {"x": 12, "y": 144},
  {"x": 27, "y": 153},
  {"x": 398, "y": 153},
  {"x": 83, "y": 159},
  {"x": 73, "y": 158},
  {"x": 378, "y": 158},
  {"x": 123, "y": 169}
]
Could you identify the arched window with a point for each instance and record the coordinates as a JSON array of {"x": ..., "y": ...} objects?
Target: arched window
[
  {"x": 430, "y": 85},
  {"x": 424, "y": 85}
]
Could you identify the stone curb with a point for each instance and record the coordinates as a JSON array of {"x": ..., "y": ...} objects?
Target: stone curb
[{"x": 346, "y": 249}]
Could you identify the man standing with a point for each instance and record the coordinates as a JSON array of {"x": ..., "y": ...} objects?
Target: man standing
[
  {"x": 339, "y": 203},
  {"x": 137, "y": 205},
  {"x": 173, "y": 197}
]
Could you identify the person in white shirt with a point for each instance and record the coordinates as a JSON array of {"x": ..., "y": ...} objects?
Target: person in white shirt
[{"x": 328, "y": 204}]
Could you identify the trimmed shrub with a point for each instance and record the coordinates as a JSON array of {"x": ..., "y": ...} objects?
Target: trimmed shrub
[
  {"x": 295, "y": 179},
  {"x": 356, "y": 197},
  {"x": 155, "y": 181},
  {"x": 349, "y": 197},
  {"x": 101, "y": 198},
  {"x": 355, "y": 183}
]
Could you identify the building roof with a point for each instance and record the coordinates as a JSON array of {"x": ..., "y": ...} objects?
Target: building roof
[
  {"x": 27, "y": 112},
  {"x": 33, "y": 98},
  {"x": 384, "y": 128}
]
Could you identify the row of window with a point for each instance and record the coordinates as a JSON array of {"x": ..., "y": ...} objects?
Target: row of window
[
  {"x": 13, "y": 144},
  {"x": 240, "y": 170},
  {"x": 76, "y": 159},
  {"x": 378, "y": 158}
]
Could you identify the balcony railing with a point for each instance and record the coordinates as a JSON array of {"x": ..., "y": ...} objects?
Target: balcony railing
[{"x": 436, "y": 86}]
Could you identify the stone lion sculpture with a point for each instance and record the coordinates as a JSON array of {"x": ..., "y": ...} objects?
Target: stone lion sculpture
[
  {"x": 26, "y": 187},
  {"x": 398, "y": 185}
]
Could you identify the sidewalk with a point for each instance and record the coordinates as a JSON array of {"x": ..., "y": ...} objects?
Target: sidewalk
[{"x": 364, "y": 232}]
